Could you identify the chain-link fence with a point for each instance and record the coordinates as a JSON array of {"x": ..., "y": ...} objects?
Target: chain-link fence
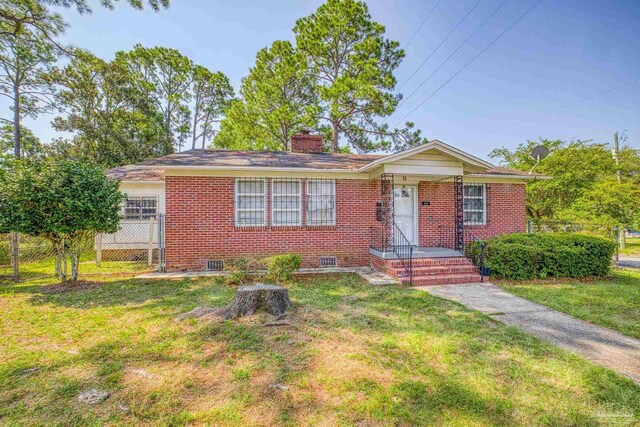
[{"x": 137, "y": 247}]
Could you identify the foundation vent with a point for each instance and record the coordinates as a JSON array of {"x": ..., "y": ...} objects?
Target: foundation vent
[
  {"x": 328, "y": 261},
  {"x": 215, "y": 265}
]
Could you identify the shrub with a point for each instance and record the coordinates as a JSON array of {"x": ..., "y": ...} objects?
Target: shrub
[
  {"x": 528, "y": 256},
  {"x": 238, "y": 271},
  {"x": 281, "y": 267}
]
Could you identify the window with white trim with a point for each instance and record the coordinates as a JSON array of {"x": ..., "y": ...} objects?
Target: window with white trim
[
  {"x": 140, "y": 207},
  {"x": 250, "y": 202},
  {"x": 321, "y": 202},
  {"x": 475, "y": 204},
  {"x": 286, "y": 202}
]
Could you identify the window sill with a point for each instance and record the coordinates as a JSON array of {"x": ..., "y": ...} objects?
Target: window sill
[{"x": 285, "y": 227}]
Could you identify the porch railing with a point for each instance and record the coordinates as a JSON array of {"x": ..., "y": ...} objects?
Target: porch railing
[{"x": 397, "y": 243}]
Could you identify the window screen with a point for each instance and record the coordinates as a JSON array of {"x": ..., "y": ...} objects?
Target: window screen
[
  {"x": 286, "y": 202},
  {"x": 140, "y": 207},
  {"x": 321, "y": 202},
  {"x": 475, "y": 204},
  {"x": 250, "y": 205}
]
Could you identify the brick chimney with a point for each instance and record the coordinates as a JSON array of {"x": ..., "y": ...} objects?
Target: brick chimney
[{"x": 304, "y": 142}]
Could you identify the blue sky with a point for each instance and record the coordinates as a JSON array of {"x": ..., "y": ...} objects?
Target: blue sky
[{"x": 559, "y": 54}]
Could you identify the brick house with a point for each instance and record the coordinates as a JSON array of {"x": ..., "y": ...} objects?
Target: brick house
[{"x": 413, "y": 208}]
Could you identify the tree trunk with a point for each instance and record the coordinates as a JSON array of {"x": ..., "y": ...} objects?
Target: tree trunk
[
  {"x": 17, "y": 149},
  {"x": 334, "y": 137},
  {"x": 62, "y": 261},
  {"x": 195, "y": 130},
  {"x": 273, "y": 299},
  {"x": 75, "y": 264}
]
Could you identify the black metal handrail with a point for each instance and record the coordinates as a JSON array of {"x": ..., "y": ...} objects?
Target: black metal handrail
[
  {"x": 403, "y": 249},
  {"x": 396, "y": 242}
]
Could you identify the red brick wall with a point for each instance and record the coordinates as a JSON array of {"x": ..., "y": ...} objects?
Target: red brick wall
[
  {"x": 200, "y": 222},
  {"x": 506, "y": 211},
  {"x": 200, "y": 226}
]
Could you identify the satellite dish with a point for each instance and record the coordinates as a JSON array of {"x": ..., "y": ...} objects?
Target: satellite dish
[{"x": 538, "y": 153}]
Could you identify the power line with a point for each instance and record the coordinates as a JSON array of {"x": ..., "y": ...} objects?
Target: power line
[
  {"x": 453, "y": 53},
  {"x": 437, "y": 47},
  {"x": 595, "y": 95},
  {"x": 470, "y": 61},
  {"x": 421, "y": 25}
]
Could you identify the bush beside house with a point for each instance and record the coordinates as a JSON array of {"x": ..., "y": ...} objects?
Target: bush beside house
[{"x": 532, "y": 256}]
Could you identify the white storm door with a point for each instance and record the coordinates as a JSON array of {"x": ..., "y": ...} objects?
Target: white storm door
[{"x": 405, "y": 212}]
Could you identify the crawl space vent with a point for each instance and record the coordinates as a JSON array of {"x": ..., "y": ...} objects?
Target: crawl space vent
[
  {"x": 328, "y": 261},
  {"x": 215, "y": 265}
]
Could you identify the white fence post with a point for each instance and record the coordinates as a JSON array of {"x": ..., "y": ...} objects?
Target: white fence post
[{"x": 150, "y": 250}]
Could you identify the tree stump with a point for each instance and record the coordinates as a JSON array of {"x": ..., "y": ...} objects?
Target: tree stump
[{"x": 273, "y": 299}]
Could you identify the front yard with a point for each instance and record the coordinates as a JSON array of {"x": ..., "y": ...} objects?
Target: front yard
[
  {"x": 355, "y": 354},
  {"x": 613, "y": 302}
]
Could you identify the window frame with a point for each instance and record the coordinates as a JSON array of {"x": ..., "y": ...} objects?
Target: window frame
[
  {"x": 140, "y": 216},
  {"x": 274, "y": 195},
  {"x": 334, "y": 207},
  {"x": 482, "y": 185},
  {"x": 236, "y": 198}
]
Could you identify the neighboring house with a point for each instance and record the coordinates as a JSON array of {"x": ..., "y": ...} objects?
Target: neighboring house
[{"x": 342, "y": 210}]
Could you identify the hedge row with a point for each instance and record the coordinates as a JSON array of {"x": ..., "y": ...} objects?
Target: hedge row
[{"x": 530, "y": 256}]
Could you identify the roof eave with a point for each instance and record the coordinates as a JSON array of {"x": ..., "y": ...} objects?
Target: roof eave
[{"x": 497, "y": 175}]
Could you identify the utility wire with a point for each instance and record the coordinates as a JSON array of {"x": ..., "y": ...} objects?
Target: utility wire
[
  {"x": 470, "y": 61},
  {"x": 452, "y": 53},
  {"x": 421, "y": 25},
  {"x": 571, "y": 104},
  {"x": 437, "y": 47}
]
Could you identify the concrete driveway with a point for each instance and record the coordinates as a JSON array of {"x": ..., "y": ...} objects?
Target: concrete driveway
[{"x": 596, "y": 343}]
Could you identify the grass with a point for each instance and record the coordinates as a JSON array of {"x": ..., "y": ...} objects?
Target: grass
[
  {"x": 46, "y": 267},
  {"x": 613, "y": 301},
  {"x": 390, "y": 357},
  {"x": 632, "y": 246}
]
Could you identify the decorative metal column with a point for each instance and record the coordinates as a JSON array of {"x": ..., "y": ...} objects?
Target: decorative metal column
[
  {"x": 458, "y": 192},
  {"x": 386, "y": 190}
]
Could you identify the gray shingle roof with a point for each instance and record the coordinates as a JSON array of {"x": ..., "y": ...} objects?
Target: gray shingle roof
[
  {"x": 136, "y": 173},
  {"x": 273, "y": 159}
]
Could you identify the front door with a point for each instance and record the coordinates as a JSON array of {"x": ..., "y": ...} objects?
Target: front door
[{"x": 405, "y": 211}]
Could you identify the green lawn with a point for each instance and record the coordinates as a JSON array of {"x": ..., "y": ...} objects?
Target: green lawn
[
  {"x": 613, "y": 302},
  {"x": 632, "y": 246},
  {"x": 385, "y": 356},
  {"x": 46, "y": 267}
]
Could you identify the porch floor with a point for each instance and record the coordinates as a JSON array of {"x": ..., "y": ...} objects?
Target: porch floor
[{"x": 420, "y": 252}]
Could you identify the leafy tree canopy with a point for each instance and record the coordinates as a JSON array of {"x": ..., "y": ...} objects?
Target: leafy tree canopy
[
  {"x": 279, "y": 98},
  {"x": 354, "y": 63},
  {"x": 584, "y": 185},
  {"x": 30, "y": 144},
  {"x": 34, "y": 15},
  {"x": 113, "y": 121},
  {"x": 65, "y": 202}
]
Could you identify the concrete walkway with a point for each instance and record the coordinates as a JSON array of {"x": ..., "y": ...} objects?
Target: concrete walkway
[
  {"x": 596, "y": 343},
  {"x": 370, "y": 275}
]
